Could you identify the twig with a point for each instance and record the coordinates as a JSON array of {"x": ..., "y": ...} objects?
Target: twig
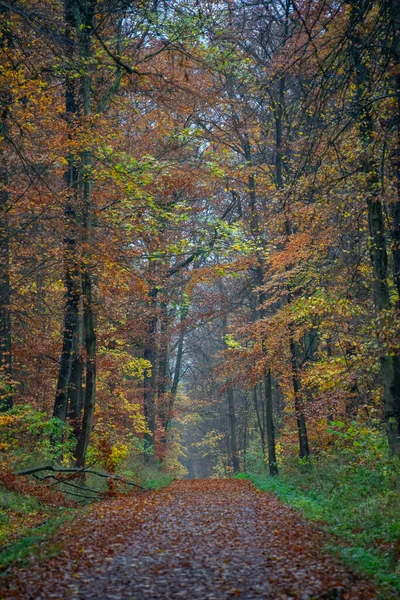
[
  {"x": 74, "y": 470},
  {"x": 64, "y": 482}
]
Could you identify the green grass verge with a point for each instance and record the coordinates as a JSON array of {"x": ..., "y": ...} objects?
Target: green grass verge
[
  {"x": 35, "y": 542},
  {"x": 360, "y": 506},
  {"x": 25, "y": 523}
]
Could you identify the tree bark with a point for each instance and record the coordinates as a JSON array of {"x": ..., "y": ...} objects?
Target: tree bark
[
  {"x": 5, "y": 285},
  {"x": 298, "y": 404},
  {"x": 232, "y": 430},
  {"x": 233, "y": 451},
  {"x": 150, "y": 354},
  {"x": 304, "y": 449},
  {"x": 178, "y": 362},
  {"x": 391, "y": 10},
  {"x": 378, "y": 248},
  {"x": 259, "y": 419},
  {"x": 269, "y": 424},
  {"x": 163, "y": 371},
  {"x": 75, "y": 391},
  {"x": 86, "y": 30},
  {"x": 71, "y": 262},
  {"x": 269, "y": 430}
]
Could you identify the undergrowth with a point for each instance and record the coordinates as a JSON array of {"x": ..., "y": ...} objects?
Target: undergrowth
[
  {"x": 358, "y": 503},
  {"x": 31, "y": 523},
  {"x": 25, "y": 524}
]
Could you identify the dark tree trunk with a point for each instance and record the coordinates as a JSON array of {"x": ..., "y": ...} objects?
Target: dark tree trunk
[
  {"x": 298, "y": 402},
  {"x": 150, "y": 379},
  {"x": 245, "y": 433},
  {"x": 392, "y": 14},
  {"x": 233, "y": 452},
  {"x": 330, "y": 416},
  {"x": 85, "y": 33},
  {"x": 266, "y": 424},
  {"x": 75, "y": 392},
  {"x": 269, "y": 424},
  {"x": 90, "y": 387},
  {"x": 5, "y": 287},
  {"x": 163, "y": 383},
  {"x": 71, "y": 263},
  {"x": 6, "y": 402},
  {"x": 232, "y": 431},
  {"x": 260, "y": 422},
  {"x": 378, "y": 249},
  {"x": 178, "y": 363}
]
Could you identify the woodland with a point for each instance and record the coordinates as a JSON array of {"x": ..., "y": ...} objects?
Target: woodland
[{"x": 200, "y": 263}]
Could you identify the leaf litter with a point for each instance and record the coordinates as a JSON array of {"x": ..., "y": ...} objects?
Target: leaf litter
[{"x": 202, "y": 539}]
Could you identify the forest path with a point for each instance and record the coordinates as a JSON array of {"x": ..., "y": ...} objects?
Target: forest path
[{"x": 203, "y": 539}]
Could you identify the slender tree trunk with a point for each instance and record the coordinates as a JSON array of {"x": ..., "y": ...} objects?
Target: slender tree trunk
[
  {"x": 269, "y": 424},
  {"x": 394, "y": 20},
  {"x": 378, "y": 250},
  {"x": 178, "y": 363},
  {"x": 71, "y": 263},
  {"x": 75, "y": 392},
  {"x": 259, "y": 419},
  {"x": 267, "y": 431},
  {"x": 330, "y": 416},
  {"x": 73, "y": 291},
  {"x": 233, "y": 451},
  {"x": 245, "y": 432},
  {"x": 150, "y": 354},
  {"x": 298, "y": 402},
  {"x": 232, "y": 430},
  {"x": 163, "y": 383},
  {"x": 392, "y": 10},
  {"x": 87, "y": 284},
  {"x": 6, "y": 402}
]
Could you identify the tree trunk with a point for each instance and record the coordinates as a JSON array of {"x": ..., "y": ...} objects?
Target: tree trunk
[
  {"x": 269, "y": 424},
  {"x": 86, "y": 27},
  {"x": 5, "y": 286},
  {"x": 178, "y": 363},
  {"x": 378, "y": 250},
  {"x": 6, "y": 384},
  {"x": 232, "y": 430},
  {"x": 71, "y": 263},
  {"x": 245, "y": 433},
  {"x": 75, "y": 392},
  {"x": 266, "y": 425},
  {"x": 392, "y": 9},
  {"x": 163, "y": 371},
  {"x": 330, "y": 417},
  {"x": 298, "y": 402},
  {"x": 259, "y": 419},
  {"x": 150, "y": 354},
  {"x": 233, "y": 453}
]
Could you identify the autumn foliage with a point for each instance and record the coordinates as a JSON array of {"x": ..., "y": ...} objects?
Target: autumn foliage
[{"x": 199, "y": 231}]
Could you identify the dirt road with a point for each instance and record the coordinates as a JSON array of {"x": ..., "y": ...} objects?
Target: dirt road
[{"x": 208, "y": 540}]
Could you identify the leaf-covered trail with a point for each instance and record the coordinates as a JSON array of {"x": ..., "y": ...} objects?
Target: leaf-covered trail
[{"x": 213, "y": 539}]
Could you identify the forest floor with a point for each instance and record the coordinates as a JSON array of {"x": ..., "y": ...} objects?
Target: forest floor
[{"x": 205, "y": 539}]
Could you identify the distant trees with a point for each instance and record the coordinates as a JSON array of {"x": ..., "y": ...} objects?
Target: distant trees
[{"x": 200, "y": 223}]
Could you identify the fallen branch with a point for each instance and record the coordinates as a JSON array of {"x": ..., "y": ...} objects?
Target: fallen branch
[
  {"x": 75, "y": 470},
  {"x": 80, "y": 495},
  {"x": 65, "y": 482},
  {"x": 71, "y": 475}
]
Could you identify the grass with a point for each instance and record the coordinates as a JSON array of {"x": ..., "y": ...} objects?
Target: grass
[
  {"x": 151, "y": 477},
  {"x": 27, "y": 524},
  {"x": 358, "y": 504}
]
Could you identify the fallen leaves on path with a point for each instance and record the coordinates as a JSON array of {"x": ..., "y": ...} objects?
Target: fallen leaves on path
[{"x": 205, "y": 539}]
